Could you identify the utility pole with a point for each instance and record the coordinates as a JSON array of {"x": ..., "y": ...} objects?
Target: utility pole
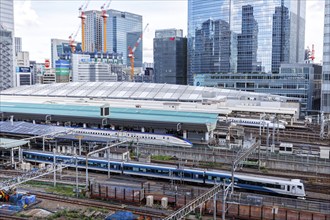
[{"x": 96, "y": 151}]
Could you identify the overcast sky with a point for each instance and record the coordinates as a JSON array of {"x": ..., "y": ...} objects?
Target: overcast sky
[{"x": 37, "y": 21}]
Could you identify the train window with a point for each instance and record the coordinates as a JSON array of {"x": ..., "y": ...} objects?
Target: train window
[
  {"x": 187, "y": 175},
  {"x": 163, "y": 137},
  {"x": 299, "y": 187}
]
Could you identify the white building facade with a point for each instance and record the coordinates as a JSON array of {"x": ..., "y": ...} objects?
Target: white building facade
[{"x": 84, "y": 69}]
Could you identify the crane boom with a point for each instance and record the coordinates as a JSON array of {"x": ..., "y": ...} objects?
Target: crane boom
[
  {"x": 132, "y": 50},
  {"x": 72, "y": 38},
  {"x": 140, "y": 38}
]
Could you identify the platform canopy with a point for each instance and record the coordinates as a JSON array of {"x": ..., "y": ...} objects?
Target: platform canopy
[{"x": 8, "y": 143}]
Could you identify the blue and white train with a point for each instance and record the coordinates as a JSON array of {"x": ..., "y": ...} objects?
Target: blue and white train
[
  {"x": 253, "y": 122},
  {"x": 272, "y": 185}
]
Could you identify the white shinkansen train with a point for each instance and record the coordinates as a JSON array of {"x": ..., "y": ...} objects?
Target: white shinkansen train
[
  {"x": 137, "y": 137},
  {"x": 253, "y": 122}
]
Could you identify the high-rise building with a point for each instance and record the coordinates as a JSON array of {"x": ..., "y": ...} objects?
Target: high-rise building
[
  {"x": 86, "y": 69},
  {"x": 325, "y": 106},
  {"x": 23, "y": 59},
  {"x": 18, "y": 45},
  {"x": 170, "y": 57},
  {"x": 60, "y": 48},
  {"x": 244, "y": 35},
  {"x": 93, "y": 31},
  {"x": 6, "y": 59},
  {"x": 7, "y": 44},
  {"x": 7, "y": 15},
  {"x": 123, "y": 30}
]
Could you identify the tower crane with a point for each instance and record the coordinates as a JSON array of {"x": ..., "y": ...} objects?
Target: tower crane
[
  {"x": 313, "y": 54},
  {"x": 72, "y": 38},
  {"x": 82, "y": 16},
  {"x": 131, "y": 52},
  {"x": 105, "y": 16}
]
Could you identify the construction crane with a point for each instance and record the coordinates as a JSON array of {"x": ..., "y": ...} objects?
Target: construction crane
[
  {"x": 313, "y": 54},
  {"x": 72, "y": 39},
  {"x": 105, "y": 16},
  {"x": 82, "y": 16},
  {"x": 131, "y": 52}
]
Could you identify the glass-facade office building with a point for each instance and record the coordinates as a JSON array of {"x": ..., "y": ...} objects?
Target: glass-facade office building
[
  {"x": 123, "y": 30},
  {"x": 326, "y": 60},
  {"x": 170, "y": 57},
  {"x": 301, "y": 81},
  {"x": 244, "y": 35}
]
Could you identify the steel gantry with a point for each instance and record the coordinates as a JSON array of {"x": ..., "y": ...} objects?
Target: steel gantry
[{"x": 192, "y": 205}]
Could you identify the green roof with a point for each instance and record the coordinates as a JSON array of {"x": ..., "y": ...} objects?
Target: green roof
[{"x": 115, "y": 113}]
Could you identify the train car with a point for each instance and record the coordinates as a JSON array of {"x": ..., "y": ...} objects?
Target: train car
[
  {"x": 138, "y": 137},
  {"x": 274, "y": 185},
  {"x": 252, "y": 122}
]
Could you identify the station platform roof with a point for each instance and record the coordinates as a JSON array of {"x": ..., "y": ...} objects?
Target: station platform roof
[
  {"x": 8, "y": 143},
  {"x": 120, "y": 114},
  {"x": 67, "y": 133}
]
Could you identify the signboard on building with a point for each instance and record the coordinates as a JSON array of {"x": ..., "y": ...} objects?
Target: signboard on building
[
  {"x": 21, "y": 69},
  {"x": 47, "y": 63}
]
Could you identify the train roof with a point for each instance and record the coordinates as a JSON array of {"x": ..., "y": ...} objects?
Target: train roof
[
  {"x": 199, "y": 170},
  {"x": 254, "y": 176}
]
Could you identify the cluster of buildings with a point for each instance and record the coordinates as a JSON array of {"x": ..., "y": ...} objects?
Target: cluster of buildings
[{"x": 255, "y": 46}]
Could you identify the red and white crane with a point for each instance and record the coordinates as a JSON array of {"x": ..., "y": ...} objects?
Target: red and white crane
[
  {"x": 72, "y": 39},
  {"x": 132, "y": 50}
]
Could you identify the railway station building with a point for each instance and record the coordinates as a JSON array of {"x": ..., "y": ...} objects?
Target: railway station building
[{"x": 188, "y": 111}]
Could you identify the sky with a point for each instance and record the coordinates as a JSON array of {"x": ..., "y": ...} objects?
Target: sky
[{"x": 38, "y": 21}]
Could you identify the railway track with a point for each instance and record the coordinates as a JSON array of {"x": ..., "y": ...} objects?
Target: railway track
[
  {"x": 11, "y": 217},
  {"x": 97, "y": 204}
]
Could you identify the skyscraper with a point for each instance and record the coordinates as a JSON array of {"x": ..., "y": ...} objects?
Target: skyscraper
[
  {"x": 6, "y": 44},
  {"x": 170, "y": 57},
  {"x": 18, "y": 45},
  {"x": 93, "y": 34},
  {"x": 6, "y": 59},
  {"x": 325, "y": 92},
  {"x": 123, "y": 30},
  {"x": 7, "y": 15},
  {"x": 244, "y": 35}
]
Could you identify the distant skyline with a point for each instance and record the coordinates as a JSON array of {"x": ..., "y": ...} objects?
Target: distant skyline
[{"x": 38, "y": 21}]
